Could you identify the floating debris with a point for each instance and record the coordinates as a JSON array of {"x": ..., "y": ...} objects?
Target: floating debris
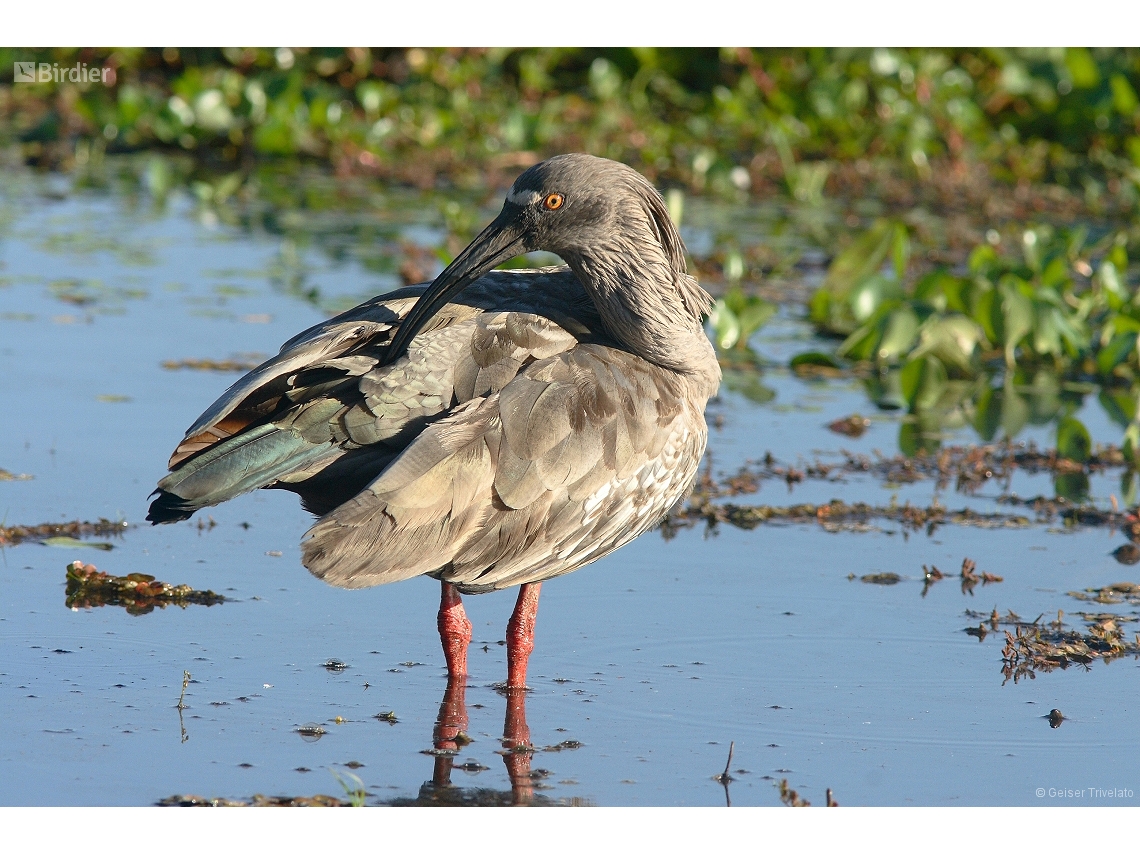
[
  {"x": 237, "y": 364},
  {"x": 564, "y": 745},
  {"x": 967, "y": 467},
  {"x": 838, "y": 515},
  {"x": 1114, "y": 594},
  {"x": 389, "y": 717},
  {"x": 334, "y": 665},
  {"x": 1128, "y": 553},
  {"x": 789, "y": 796},
  {"x": 881, "y": 578},
  {"x": 5, "y": 475},
  {"x": 472, "y": 767},
  {"x": 138, "y": 593},
  {"x": 970, "y": 579},
  {"x": 257, "y": 800},
  {"x": 75, "y": 543},
  {"x": 12, "y": 535},
  {"x": 1032, "y": 648},
  {"x": 853, "y": 426}
]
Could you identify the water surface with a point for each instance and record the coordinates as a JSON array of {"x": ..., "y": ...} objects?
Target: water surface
[{"x": 649, "y": 662}]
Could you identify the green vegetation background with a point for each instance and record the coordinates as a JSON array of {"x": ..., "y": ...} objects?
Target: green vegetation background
[
  {"x": 1065, "y": 115},
  {"x": 1022, "y": 301}
]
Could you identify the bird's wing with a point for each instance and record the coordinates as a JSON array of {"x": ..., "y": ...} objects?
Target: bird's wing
[
  {"x": 327, "y": 415},
  {"x": 524, "y": 480},
  {"x": 345, "y": 345}
]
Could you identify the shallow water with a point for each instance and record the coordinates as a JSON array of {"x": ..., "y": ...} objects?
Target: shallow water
[{"x": 652, "y": 660}]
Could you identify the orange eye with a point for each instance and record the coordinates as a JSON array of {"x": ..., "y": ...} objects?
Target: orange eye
[{"x": 553, "y": 202}]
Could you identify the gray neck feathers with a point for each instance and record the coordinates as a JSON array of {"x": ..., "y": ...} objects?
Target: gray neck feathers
[{"x": 646, "y": 299}]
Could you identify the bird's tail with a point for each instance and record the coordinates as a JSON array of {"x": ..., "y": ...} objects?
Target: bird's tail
[{"x": 252, "y": 459}]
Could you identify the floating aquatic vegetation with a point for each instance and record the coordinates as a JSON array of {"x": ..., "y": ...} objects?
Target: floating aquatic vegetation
[
  {"x": 838, "y": 515},
  {"x": 1013, "y": 339},
  {"x": 1115, "y": 594},
  {"x": 969, "y": 578},
  {"x": 1034, "y": 648},
  {"x": 256, "y": 800},
  {"x": 5, "y": 475},
  {"x": 854, "y": 425},
  {"x": 73, "y": 543},
  {"x": 237, "y": 364},
  {"x": 881, "y": 578},
  {"x": 138, "y": 593},
  {"x": 12, "y": 535},
  {"x": 793, "y": 799},
  {"x": 967, "y": 467}
]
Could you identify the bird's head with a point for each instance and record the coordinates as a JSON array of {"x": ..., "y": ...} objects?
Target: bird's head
[{"x": 574, "y": 205}]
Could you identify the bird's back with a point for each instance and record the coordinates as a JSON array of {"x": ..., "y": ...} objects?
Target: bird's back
[{"x": 514, "y": 442}]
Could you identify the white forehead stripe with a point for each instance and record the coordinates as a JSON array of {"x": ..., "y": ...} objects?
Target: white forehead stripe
[{"x": 522, "y": 197}]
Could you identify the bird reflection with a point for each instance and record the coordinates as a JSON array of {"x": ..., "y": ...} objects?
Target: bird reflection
[{"x": 449, "y": 737}]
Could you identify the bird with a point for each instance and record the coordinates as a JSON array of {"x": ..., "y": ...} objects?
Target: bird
[{"x": 491, "y": 429}]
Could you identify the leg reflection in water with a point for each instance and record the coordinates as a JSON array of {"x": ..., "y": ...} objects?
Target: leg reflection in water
[{"x": 449, "y": 738}]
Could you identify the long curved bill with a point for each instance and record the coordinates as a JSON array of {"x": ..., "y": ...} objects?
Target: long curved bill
[{"x": 503, "y": 239}]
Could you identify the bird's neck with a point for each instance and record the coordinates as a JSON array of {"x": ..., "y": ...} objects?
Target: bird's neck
[{"x": 654, "y": 312}]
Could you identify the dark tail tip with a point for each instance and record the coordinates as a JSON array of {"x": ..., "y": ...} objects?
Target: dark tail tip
[{"x": 169, "y": 508}]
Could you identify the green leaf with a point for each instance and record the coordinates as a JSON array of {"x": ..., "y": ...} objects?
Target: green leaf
[
  {"x": 757, "y": 313},
  {"x": 1120, "y": 406},
  {"x": 1043, "y": 397},
  {"x": 814, "y": 358},
  {"x": 917, "y": 435},
  {"x": 982, "y": 259},
  {"x": 1118, "y": 255},
  {"x": 870, "y": 295},
  {"x": 862, "y": 258},
  {"x": 748, "y": 384},
  {"x": 1046, "y": 331},
  {"x": 1120, "y": 347},
  {"x": 1108, "y": 278},
  {"x": 922, "y": 382},
  {"x": 1073, "y": 441},
  {"x": 1128, "y": 482},
  {"x": 1072, "y": 486},
  {"x": 898, "y": 335},
  {"x": 1016, "y": 318},
  {"x": 953, "y": 339},
  {"x": 1014, "y": 411},
  {"x": 942, "y": 291},
  {"x": 73, "y": 543},
  {"x": 885, "y": 389},
  {"x": 1123, "y": 96},
  {"x": 900, "y": 250},
  {"x": 987, "y": 414},
  {"x": 725, "y": 324},
  {"x": 986, "y": 313},
  {"x": 1131, "y": 445},
  {"x": 861, "y": 344},
  {"x": 1056, "y": 273},
  {"x": 1082, "y": 67}
]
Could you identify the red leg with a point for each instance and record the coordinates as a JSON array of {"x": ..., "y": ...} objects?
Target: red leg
[
  {"x": 520, "y": 634},
  {"x": 454, "y": 632}
]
